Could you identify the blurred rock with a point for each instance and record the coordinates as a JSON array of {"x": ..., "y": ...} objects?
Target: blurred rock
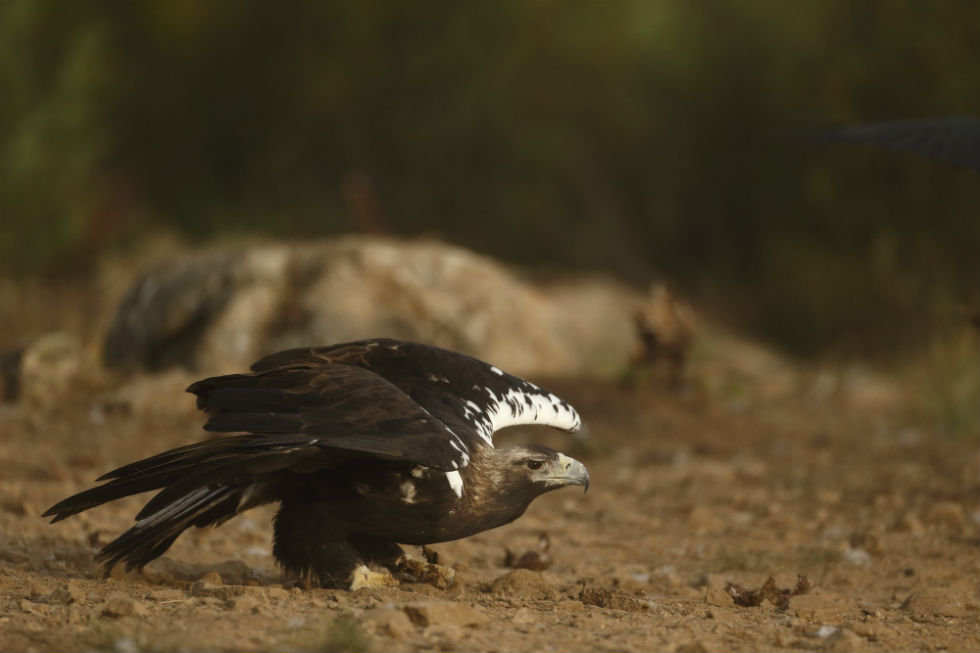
[
  {"x": 120, "y": 605},
  {"x": 603, "y": 597},
  {"x": 910, "y": 522},
  {"x": 388, "y": 621},
  {"x": 703, "y": 520},
  {"x": 42, "y": 372},
  {"x": 220, "y": 310},
  {"x": 843, "y": 640},
  {"x": 525, "y": 584},
  {"x": 818, "y": 607},
  {"x": 147, "y": 396},
  {"x": 939, "y": 601},
  {"x": 856, "y": 556},
  {"x": 70, "y": 592},
  {"x": 947, "y": 514},
  {"x": 718, "y": 597},
  {"x": 439, "y": 613}
]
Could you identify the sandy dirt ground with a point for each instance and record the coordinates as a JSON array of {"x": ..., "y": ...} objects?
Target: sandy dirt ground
[{"x": 691, "y": 494}]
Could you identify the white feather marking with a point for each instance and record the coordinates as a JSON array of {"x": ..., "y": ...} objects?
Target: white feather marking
[
  {"x": 455, "y": 482},
  {"x": 471, "y": 408},
  {"x": 175, "y": 507},
  {"x": 496, "y": 370},
  {"x": 247, "y": 495},
  {"x": 526, "y": 405},
  {"x": 408, "y": 491}
]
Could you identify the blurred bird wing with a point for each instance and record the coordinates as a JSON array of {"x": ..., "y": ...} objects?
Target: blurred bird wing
[{"x": 953, "y": 140}]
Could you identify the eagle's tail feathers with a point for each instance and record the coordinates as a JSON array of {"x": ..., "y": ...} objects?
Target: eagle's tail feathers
[{"x": 153, "y": 535}]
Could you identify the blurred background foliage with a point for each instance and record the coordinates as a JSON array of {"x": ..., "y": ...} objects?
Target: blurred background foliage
[{"x": 637, "y": 137}]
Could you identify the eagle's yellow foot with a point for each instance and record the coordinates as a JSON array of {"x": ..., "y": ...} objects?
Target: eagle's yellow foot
[
  {"x": 364, "y": 577},
  {"x": 425, "y": 572}
]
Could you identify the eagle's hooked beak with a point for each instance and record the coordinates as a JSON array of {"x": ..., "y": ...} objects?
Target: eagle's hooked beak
[{"x": 572, "y": 472}]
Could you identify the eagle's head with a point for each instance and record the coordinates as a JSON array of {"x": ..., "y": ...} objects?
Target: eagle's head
[
  {"x": 499, "y": 484},
  {"x": 527, "y": 471}
]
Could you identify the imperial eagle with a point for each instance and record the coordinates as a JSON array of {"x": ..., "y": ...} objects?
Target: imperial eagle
[{"x": 364, "y": 445}]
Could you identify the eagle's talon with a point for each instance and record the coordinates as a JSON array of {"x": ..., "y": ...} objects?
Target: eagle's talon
[
  {"x": 365, "y": 578},
  {"x": 425, "y": 572}
]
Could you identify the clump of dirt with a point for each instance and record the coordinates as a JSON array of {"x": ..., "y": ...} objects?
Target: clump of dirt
[
  {"x": 768, "y": 592},
  {"x": 535, "y": 560},
  {"x": 602, "y": 597}
]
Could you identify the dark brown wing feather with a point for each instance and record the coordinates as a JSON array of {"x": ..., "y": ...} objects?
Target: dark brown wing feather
[
  {"x": 336, "y": 406},
  {"x": 468, "y": 395}
]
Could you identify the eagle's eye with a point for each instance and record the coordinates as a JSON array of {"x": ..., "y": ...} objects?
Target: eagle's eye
[{"x": 534, "y": 464}]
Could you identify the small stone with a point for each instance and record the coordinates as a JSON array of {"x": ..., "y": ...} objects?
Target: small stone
[
  {"x": 70, "y": 592},
  {"x": 525, "y": 584},
  {"x": 41, "y": 590},
  {"x": 217, "y": 591},
  {"x": 277, "y": 593},
  {"x": 438, "y": 613},
  {"x": 718, "y": 597},
  {"x": 936, "y": 601},
  {"x": 212, "y": 577},
  {"x": 871, "y": 630},
  {"x": 45, "y": 370},
  {"x": 828, "y": 497},
  {"x": 946, "y": 514},
  {"x": 388, "y": 621},
  {"x": 816, "y": 607},
  {"x": 702, "y": 519},
  {"x": 233, "y": 572},
  {"x": 246, "y": 603},
  {"x": 826, "y": 631},
  {"x": 569, "y": 606},
  {"x": 856, "y": 556},
  {"x": 910, "y": 522},
  {"x": 602, "y": 597},
  {"x": 692, "y": 646},
  {"x": 523, "y": 616},
  {"x": 716, "y": 580},
  {"x": 844, "y": 641},
  {"x": 867, "y": 541},
  {"x": 121, "y": 605},
  {"x": 166, "y": 595}
]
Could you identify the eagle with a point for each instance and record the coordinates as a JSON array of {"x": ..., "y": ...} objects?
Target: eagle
[{"x": 364, "y": 445}]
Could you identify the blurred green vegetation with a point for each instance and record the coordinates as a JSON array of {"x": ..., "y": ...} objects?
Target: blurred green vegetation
[{"x": 632, "y": 136}]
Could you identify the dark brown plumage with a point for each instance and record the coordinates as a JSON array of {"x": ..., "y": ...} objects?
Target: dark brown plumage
[{"x": 364, "y": 445}]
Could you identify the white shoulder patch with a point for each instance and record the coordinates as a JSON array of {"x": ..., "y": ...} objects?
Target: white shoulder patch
[
  {"x": 455, "y": 482},
  {"x": 408, "y": 491},
  {"x": 534, "y": 407},
  {"x": 527, "y": 404}
]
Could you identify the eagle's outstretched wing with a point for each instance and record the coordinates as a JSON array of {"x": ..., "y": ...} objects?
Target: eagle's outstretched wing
[
  {"x": 466, "y": 394},
  {"x": 333, "y": 407}
]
